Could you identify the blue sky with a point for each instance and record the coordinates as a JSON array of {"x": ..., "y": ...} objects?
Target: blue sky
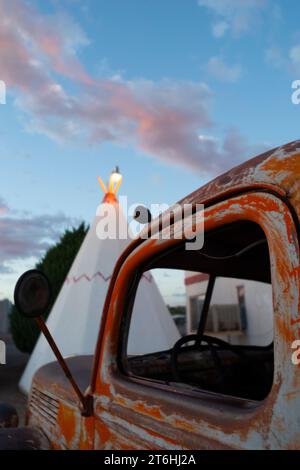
[{"x": 175, "y": 92}]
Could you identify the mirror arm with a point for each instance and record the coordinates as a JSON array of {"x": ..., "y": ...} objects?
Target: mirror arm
[{"x": 86, "y": 401}]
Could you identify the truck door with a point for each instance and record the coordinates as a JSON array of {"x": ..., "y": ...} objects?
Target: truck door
[{"x": 229, "y": 381}]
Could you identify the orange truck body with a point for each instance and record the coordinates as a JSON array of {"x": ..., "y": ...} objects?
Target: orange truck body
[{"x": 132, "y": 413}]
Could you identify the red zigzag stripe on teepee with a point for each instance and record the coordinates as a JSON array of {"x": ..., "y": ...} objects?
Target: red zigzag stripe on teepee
[{"x": 74, "y": 279}]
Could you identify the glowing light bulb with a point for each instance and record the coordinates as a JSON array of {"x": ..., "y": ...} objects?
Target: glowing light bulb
[
  {"x": 114, "y": 181},
  {"x": 115, "y": 177}
]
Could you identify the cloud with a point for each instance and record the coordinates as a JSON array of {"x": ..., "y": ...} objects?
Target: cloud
[
  {"x": 33, "y": 38},
  {"x": 279, "y": 58},
  {"x": 228, "y": 152},
  {"x": 27, "y": 236},
  {"x": 39, "y": 60},
  {"x": 294, "y": 55},
  {"x": 222, "y": 71},
  {"x": 4, "y": 269},
  {"x": 219, "y": 29},
  {"x": 238, "y": 16},
  {"x": 3, "y": 207}
]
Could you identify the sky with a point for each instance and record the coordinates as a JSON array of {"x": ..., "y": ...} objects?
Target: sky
[{"x": 175, "y": 92}]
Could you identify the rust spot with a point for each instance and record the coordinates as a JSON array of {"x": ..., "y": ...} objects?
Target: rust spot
[
  {"x": 87, "y": 433},
  {"x": 225, "y": 179},
  {"x": 103, "y": 433},
  {"x": 284, "y": 330},
  {"x": 67, "y": 423}
]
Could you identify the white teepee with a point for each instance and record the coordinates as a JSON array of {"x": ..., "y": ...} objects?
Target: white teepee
[{"x": 75, "y": 317}]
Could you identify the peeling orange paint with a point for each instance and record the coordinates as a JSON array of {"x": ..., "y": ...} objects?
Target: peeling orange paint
[{"x": 67, "y": 423}]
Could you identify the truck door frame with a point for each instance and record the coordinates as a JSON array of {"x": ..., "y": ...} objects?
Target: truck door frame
[{"x": 135, "y": 413}]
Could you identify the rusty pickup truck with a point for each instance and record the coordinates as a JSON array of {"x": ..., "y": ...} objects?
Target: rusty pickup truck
[{"x": 205, "y": 392}]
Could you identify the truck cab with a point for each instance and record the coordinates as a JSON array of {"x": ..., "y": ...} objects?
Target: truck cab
[{"x": 205, "y": 392}]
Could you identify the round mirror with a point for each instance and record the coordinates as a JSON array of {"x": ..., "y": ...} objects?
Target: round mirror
[{"x": 32, "y": 294}]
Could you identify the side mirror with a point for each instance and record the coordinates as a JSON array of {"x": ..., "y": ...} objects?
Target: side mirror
[
  {"x": 32, "y": 294},
  {"x": 32, "y": 297}
]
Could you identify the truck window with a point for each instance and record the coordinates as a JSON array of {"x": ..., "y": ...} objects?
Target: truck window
[{"x": 220, "y": 299}]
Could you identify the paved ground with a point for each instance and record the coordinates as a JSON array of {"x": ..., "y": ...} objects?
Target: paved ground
[{"x": 10, "y": 374}]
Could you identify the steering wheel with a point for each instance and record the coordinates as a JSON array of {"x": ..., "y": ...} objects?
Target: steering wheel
[{"x": 211, "y": 342}]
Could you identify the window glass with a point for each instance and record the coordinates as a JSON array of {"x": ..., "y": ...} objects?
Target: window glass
[
  {"x": 214, "y": 324},
  {"x": 241, "y": 311}
]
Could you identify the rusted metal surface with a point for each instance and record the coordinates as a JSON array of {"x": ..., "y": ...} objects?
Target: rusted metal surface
[
  {"x": 55, "y": 408},
  {"x": 60, "y": 420},
  {"x": 167, "y": 417},
  {"x": 131, "y": 413},
  {"x": 277, "y": 169},
  {"x": 23, "y": 439},
  {"x": 53, "y": 380},
  {"x": 8, "y": 416}
]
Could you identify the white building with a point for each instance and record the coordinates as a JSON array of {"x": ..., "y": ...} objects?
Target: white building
[{"x": 241, "y": 311}]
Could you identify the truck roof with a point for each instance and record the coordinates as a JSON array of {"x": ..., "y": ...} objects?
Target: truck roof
[{"x": 277, "y": 169}]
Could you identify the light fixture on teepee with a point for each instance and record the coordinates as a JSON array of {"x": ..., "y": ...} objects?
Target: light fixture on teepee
[{"x": 114, "y": 184}]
